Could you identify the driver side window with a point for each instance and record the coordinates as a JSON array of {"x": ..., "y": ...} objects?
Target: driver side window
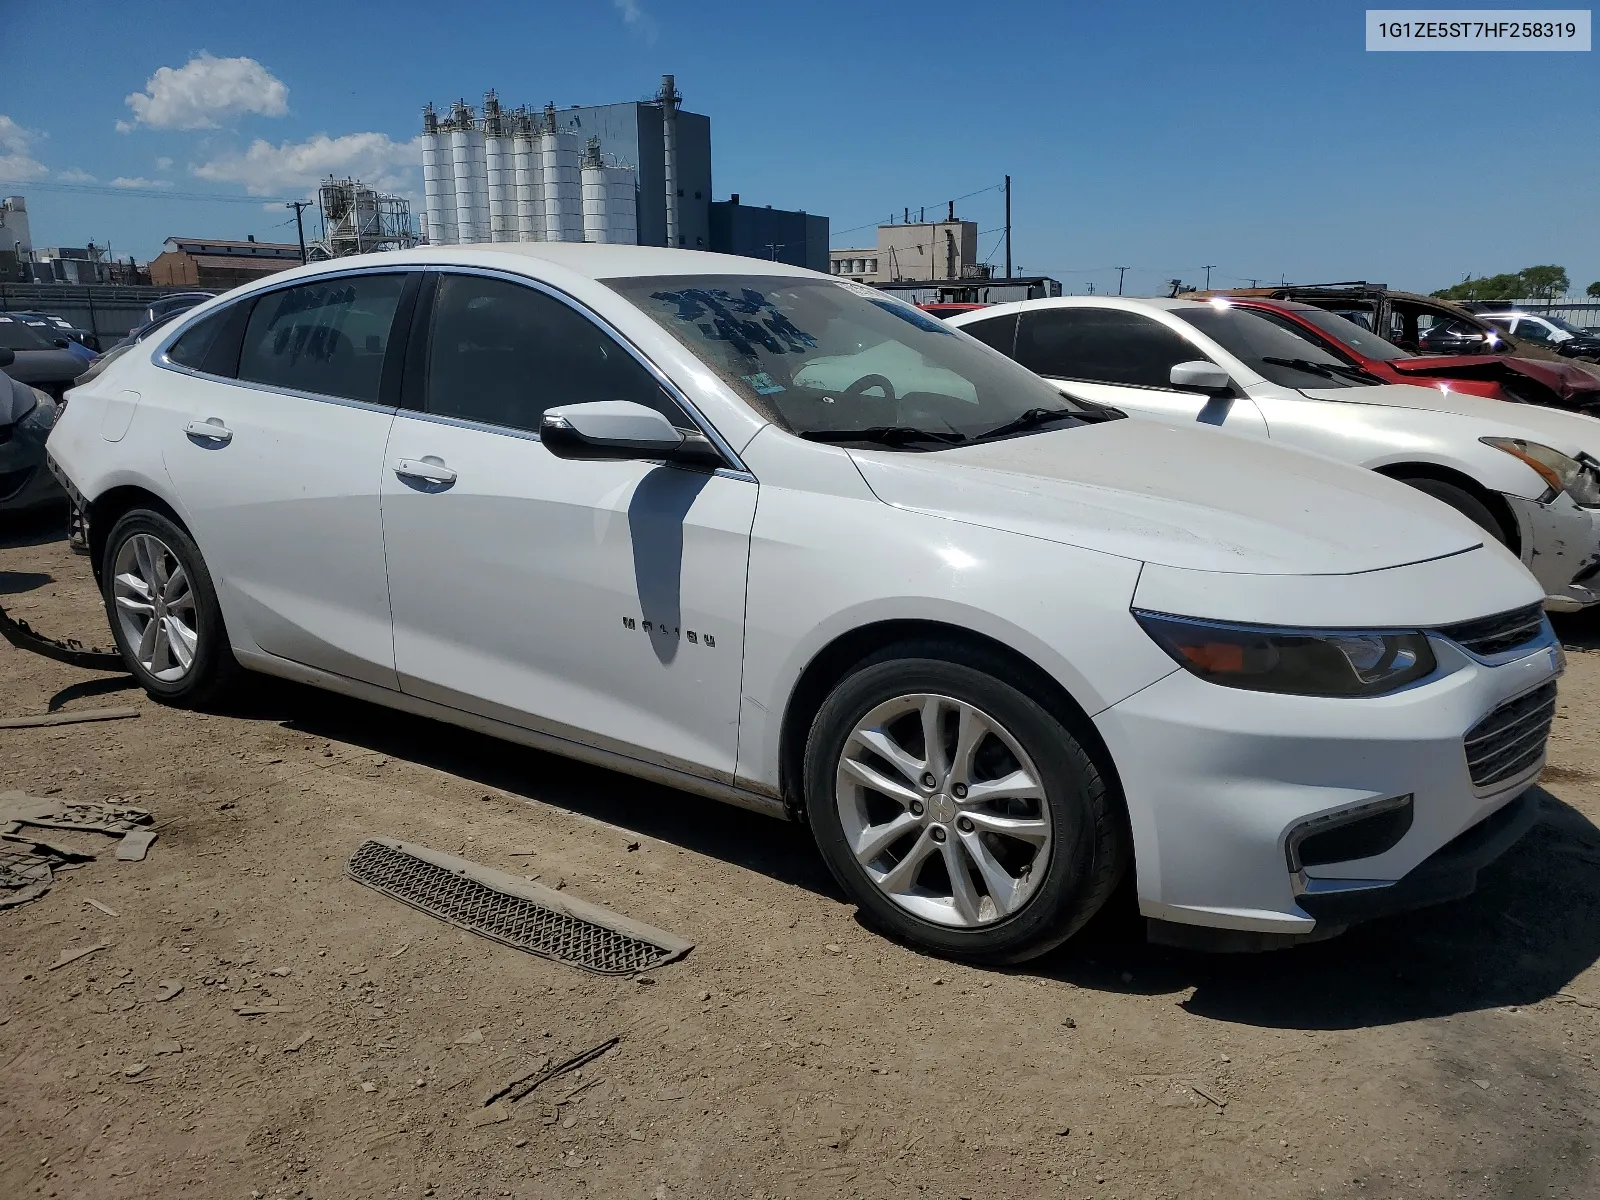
[
  {"x": 1101, "y": 345},
  {"x": 1532, "y": 331},
  {"x": 501, "y": 353}
]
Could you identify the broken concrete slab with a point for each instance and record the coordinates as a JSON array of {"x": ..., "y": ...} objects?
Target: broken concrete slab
[{"x": 135, "y": 845}]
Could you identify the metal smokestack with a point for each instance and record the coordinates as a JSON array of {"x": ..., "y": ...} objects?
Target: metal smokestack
[{"x": 669, "y": 144}]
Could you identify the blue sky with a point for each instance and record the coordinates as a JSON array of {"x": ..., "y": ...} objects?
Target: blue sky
[{"x": 1260, "y": 137}]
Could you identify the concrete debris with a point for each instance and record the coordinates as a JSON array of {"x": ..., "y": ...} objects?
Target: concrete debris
[
  {"x": 300, "y": 1041},
  {"x": 368, "y": 1086},
  {"x": 28, "y": 863},
  {"x": 134, "y": 846},
  {"x": 72, "y": 956},
  {"x": 166, "y": 1046},
  {"x": 169, "y": 989}
]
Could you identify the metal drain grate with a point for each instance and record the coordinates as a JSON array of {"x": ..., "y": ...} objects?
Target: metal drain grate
[{"x": 512, "y": 911}]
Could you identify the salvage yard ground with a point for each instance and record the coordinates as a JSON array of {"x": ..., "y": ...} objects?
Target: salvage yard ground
[{"x": 794, "y": 1053}]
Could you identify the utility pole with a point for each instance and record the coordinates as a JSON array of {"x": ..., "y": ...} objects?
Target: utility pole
[
  {"x": 1208, "y": 275},
  {"x": 299, "y": 207},
  {"x": 1008, "y": 227},
  {"x": 1120, "y": 273}
]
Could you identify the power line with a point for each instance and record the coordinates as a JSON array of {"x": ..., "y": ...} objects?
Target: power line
[
  {"x": 91, "y": 189},
  {"x": 874, "y": 224}
]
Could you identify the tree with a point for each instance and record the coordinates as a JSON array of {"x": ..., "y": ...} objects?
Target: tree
[
  {"x": 1529, "y": 283},
  {"x": 1594, "y": 290},
  {"x": 1545, "y": 282}
]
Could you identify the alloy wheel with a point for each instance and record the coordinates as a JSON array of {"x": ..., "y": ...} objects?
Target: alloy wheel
[
  {"x": 155, "y": 602},
  {"x": 943, "y": 810}
]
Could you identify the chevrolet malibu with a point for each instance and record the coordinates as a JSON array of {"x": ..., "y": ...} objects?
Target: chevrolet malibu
[{"x": 782, "y": 540}]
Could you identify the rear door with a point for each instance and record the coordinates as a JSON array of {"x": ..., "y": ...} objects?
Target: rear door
[
  {"x": 276, "y": 450},
  {"x": 1124, "y": 359}
]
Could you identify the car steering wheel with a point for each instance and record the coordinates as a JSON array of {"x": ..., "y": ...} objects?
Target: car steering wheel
[{"x": 860, "y": 386}]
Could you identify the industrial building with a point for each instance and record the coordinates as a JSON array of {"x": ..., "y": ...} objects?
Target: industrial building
[
  {"x": 797, "y": 238},
  {"x": 637, "y": 173},
  {"x": 357, "y": 219},
  {"x": 213, "y": 264},
  {"x": 922, "y": 250}
]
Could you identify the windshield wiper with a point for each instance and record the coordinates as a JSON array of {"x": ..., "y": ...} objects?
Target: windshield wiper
[
  {"x": 888, "y": 435},
  {"x": 1033, "y": 419},
  {"x": 1330, "y": 370}
]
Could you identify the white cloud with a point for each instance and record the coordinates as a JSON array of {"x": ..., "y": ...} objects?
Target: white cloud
[
  {"x": 138, "y": 181},
  {"x": 74, "y": 175},
  {"x": 205, "y": 90},
  {"x": 635, "y": 17},
  {"x": 265, "y": 169},
  {"x": 163, "y": 163},
  {"x": 16, "y": 163}
]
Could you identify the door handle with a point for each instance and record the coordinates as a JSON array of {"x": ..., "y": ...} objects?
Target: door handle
[
  {"x": 429, "y": 470},
  {"x": 212, "y": 429}
]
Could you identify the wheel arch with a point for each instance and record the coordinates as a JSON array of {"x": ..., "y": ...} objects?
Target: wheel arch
[
  {"x": 834, "y": 661},
  {"x": 111, "y": 506},
  {"x": 1492, "y": 500}
]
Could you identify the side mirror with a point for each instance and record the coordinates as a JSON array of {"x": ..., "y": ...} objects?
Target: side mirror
[
  {"x": 7, "y": 356},
  {"x": 621, "y": 429},
  {"x": 62, "y": 343},
  {"x": 1201, "y": 376}
]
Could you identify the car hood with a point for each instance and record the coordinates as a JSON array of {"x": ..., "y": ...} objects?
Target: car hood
[
  {"x": 1565, "y": 431},
  {"x": 1194, "y": 498},
  {"x": 45, "y": 366}
]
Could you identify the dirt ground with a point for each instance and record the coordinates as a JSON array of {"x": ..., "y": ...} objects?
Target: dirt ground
[{"x": 794, "y": 1053}]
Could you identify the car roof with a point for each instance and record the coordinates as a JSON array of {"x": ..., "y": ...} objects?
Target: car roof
[
  {"x": 597, "y": 261},
  {"x": 1127, "y": 303}
]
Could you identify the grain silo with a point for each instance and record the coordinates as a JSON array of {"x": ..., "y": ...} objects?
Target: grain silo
[{"x": 438, "y": 182}]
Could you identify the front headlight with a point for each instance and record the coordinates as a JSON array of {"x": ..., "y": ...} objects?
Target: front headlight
[
  {"x": 1579, "y": 479},
  {"x": 1301, "y": 662}
]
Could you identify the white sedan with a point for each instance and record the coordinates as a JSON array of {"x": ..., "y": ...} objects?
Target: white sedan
[
  {"x": 779, "y": 539},
  {"x": 1529, "y": 476}
]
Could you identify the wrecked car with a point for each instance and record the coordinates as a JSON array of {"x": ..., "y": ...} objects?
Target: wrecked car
[{"x": 1494, "y": 376}]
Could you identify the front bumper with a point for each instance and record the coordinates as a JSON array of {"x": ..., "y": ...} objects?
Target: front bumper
[
  {"x": 1561, "y": 546},
  {"x": 1217, "y": 778}
]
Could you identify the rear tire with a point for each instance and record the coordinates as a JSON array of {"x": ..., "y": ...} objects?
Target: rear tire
[
  {"x": 163, "y": 611},
  {"x": 1465, "y": 503},
  {"x": 1017, "y": 807}
]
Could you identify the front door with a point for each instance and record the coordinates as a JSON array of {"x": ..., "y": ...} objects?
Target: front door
[
  {"x": 1124, "y": 359},
  {"x": 276, "y": 455},
  {"x": 602, "y": 602}
]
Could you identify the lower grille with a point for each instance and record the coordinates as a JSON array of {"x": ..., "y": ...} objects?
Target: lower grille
[
  {"x": 568, "y": 931},
  {"x": 1510, "y": 741},
  {"x": 1488, "y": 636}
]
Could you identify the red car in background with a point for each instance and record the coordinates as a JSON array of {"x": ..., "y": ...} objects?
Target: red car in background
[{"x": 1499, "y": 377}]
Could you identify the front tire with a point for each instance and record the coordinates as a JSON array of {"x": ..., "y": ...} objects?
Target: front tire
[
  {"x": 961, "y": 815},
  {"x": 163, "y": 611}
]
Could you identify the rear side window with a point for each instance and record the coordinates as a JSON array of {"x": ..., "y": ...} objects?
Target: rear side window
[
  {"x": 501, "y": 353},
  {"x": 1101, "y": 345},
  {"x": 999, "y": 332},
  {"x": 211, "y": 345},
  {"x": 328, "y": 337}
]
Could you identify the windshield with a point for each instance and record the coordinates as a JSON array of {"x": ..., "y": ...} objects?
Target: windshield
[
  {"x": 1272, "y": 351},
  {"x": 826, "y": 359},
  {"x": 1358, "y": 337},
  {"x": 1564, "y": 326},
  {"x": 16, "y": 334}
]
